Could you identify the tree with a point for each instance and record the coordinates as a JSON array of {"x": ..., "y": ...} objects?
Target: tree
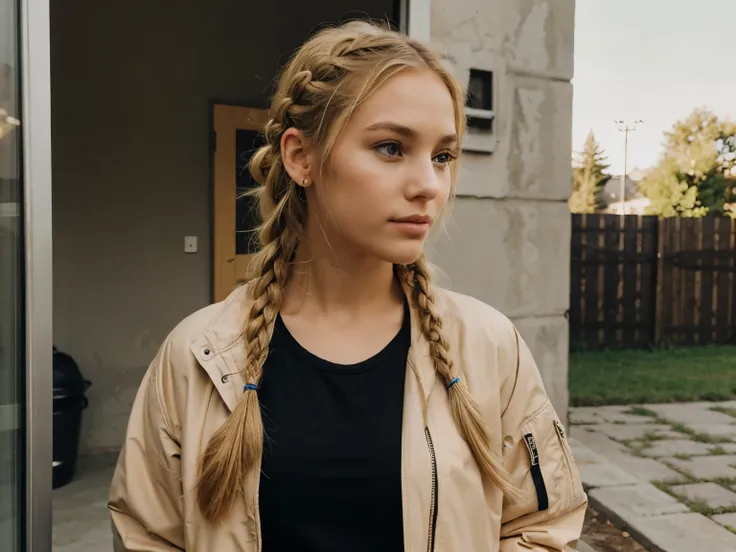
[
  {"x": 696, "y": 174},
  {"x": 588, "y": 177}
]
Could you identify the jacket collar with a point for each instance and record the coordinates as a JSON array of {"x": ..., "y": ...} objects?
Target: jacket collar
[{"x": 220, "y": 348}]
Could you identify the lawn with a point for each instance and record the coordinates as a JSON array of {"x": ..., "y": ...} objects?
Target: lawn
[{"x": 673, "y": 375}]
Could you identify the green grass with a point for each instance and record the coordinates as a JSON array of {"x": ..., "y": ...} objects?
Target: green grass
[
  {"x": 657, "y": 376},
  {"x": 640, "y": 411},
  {"x": 724, "y": 410}
]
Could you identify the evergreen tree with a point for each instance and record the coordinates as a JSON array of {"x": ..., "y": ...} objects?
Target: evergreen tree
[{"x": 588, "y": 177}]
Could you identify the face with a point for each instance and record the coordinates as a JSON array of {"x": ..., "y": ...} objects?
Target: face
[{"x": 389, "y": 175}]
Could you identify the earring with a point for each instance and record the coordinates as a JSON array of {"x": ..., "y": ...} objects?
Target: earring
[{"x": 305, "y": 182}]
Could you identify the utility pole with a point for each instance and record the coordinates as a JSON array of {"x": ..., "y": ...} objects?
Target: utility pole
[{"x": 625, "y": 128}]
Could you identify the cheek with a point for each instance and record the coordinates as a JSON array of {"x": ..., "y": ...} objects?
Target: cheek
[
  {"x": 356, "y": 189},
  {"x": 446, "y": 188}
]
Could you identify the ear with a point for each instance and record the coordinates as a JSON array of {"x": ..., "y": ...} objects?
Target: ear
[{"x": 297, "y": 156}]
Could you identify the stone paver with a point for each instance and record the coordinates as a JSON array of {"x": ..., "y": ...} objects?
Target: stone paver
[
  {"x": 706, "y": 467},
  {"x": 681, "y": 533},
  {"x": 616, "y": 416},
  {"x": 597, "y": 441},
  {"x": 646, "y": 470},
  {"x": 711, "y": 494},
  {"x": 727, "y": 520},
  {"x": 672, "y": 448},
  {"x": 587, "y": 415},
  {"x": 629, "y": 432},
  {"x": 596, "y": 471},
  {"x": 638, "y": 500},
  {"x": 691, "y": 413},
  {"x": 716, "y": 430}
]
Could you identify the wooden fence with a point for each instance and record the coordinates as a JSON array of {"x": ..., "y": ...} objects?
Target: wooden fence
[{"x": 644, "y": 281}]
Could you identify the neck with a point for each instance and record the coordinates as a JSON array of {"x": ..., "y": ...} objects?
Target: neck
[{"x": 320, "y": 282}]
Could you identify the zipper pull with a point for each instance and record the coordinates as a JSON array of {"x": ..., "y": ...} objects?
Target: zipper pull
[{"x": 560, "y": 430}]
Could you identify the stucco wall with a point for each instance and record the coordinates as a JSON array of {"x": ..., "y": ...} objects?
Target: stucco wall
[
  {"x": 130, "y": 89},
  {"x": 508, "y": 242}
]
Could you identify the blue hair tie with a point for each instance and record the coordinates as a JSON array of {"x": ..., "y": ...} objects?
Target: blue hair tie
[
  {"x": 250, "y": 387},
  {"x": 453, "y": 381}
]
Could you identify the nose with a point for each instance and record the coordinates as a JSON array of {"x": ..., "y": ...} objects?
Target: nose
[{"x": 425, "y": 181}]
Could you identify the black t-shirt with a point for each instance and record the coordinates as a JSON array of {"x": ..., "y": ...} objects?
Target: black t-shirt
[{"x": 331, "y": 475}]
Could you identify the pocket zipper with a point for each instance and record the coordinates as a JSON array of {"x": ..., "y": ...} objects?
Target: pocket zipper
[
  {"x": 434, "y": 496},
  {"x": 566, "y": 451}
]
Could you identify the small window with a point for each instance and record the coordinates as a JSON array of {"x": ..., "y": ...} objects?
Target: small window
[
  {"x": 479, "y": 112},
  {"x": 479, "y": 101},
  {"x": 480, "y": 90}
]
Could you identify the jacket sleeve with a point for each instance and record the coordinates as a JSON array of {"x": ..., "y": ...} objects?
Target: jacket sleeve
[
  {"x": 145, "y": 499},
  {"x": 548, "y": 515}
]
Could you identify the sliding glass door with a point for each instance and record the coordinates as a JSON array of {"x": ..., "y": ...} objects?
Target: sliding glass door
[
  {"x": 25, "y": 278},
  {"x": 12, "y": 310}
]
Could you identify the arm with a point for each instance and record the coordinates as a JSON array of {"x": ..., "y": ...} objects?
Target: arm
[
  {"x": 550, "y": 511},
  {"x": 145, "y": 499}
]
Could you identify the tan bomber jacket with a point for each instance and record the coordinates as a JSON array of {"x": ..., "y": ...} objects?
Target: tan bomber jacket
[{"x": 188, "y": 392}]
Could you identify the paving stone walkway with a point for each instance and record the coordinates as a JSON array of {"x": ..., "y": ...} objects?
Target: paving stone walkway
[{"x": 666, "y": 473}]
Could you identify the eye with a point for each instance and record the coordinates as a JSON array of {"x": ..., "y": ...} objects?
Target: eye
[
  {"x": 444, "y": 158},
  {"x": 389, "y": 149}
]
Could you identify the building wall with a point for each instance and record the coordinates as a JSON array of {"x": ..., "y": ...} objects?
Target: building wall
[
  {"x": 131, "y": 84},
  {"x": 508, "y": 242}
]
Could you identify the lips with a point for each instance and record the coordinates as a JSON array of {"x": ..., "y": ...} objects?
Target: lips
[
  {"x": 414, "y": 226},
  {"x": 415, "y": 219}
]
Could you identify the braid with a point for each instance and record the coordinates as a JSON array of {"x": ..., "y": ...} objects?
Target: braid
[
  {"x": 236, "y": 447},
  {"x": 468, "y": 417}
]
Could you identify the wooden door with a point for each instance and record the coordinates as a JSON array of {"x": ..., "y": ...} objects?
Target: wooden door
[{"x": 237, "y": 136}]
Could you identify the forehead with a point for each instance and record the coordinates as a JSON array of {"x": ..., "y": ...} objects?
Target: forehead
[{"x": 415, "y": 98}]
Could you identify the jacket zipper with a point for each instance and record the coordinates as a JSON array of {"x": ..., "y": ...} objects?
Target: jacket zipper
[
  {"x": 258, "y": 511},
  {"x": 434, "y": 496},
  {"x": 567, "y": 453}
]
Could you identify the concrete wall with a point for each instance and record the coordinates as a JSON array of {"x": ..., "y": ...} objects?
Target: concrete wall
[
  {"x": 130, "y": 89},
  {"x": 508, "y": 242}
]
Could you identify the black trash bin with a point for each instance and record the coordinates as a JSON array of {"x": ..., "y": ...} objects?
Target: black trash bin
[{"x": 69, "y": 401}]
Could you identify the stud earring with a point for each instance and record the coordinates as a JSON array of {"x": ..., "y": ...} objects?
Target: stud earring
[{"x": 305, "y": 182}]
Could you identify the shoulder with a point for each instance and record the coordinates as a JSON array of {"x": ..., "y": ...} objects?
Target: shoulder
[
  {"x": 484, "y": 340},
  {"x": 199, "y": 336},
  {"x": 471, "y": 316},
  {"x": 216, "y": 326}
]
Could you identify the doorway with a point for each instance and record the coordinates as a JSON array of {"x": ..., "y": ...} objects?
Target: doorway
[{"x": 237, "y": 135}]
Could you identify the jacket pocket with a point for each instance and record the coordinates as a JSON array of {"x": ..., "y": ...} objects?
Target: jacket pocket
[{"x": 552, "y": 468}]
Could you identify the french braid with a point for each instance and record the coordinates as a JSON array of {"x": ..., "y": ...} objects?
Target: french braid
[{"x": 465, "y": 412}]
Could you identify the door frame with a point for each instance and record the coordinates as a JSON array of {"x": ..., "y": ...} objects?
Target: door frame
[
  {"x": 228, "y": 268},
  {"x": 35, "y": 70}
]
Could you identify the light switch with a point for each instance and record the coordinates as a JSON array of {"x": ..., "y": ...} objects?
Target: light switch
[{"x": 190, "y": 244}]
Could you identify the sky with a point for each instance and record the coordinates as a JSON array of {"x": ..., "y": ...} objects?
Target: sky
[{"x": 654, "y": 60}]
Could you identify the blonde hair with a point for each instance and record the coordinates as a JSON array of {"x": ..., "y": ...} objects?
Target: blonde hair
[{"x": 323, "y": 83}]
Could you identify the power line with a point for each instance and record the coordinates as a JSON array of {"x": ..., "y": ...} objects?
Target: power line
[{"x": 624, "y": 127}]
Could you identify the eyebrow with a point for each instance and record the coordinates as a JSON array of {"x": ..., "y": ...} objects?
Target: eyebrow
[{"x": 407, "y": 132}]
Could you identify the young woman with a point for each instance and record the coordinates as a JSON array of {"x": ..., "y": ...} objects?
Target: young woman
[{"x": 339, "y": 401}]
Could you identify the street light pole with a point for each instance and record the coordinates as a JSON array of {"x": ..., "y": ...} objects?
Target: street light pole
[{"x": 625, "y": 128}]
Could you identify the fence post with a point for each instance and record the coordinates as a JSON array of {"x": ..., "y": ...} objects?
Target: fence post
[{"x": 659, "y": 276}]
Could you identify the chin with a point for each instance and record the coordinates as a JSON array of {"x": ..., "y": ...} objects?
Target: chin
[{"x": 403, "y": 254}]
